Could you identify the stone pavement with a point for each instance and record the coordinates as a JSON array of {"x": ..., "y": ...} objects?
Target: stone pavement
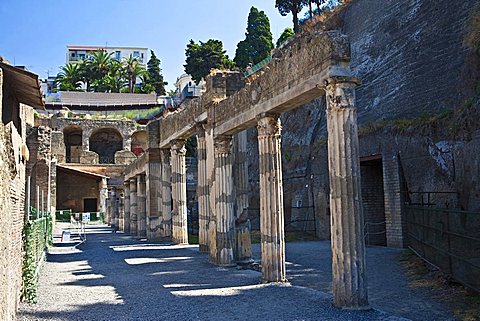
[{"x": 116, "y": 277}]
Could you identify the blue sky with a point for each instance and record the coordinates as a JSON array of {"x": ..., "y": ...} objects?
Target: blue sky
[{"x": 35, "y": 33}]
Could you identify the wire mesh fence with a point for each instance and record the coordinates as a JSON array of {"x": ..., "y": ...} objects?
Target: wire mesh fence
[
  {"x": 448, "y": 239},
  {"x": 37, "y": 235}
]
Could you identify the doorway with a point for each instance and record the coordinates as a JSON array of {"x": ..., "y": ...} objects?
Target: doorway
[
  {"x": 90, "y": 205},
  {"x": 373, "y": 200}
]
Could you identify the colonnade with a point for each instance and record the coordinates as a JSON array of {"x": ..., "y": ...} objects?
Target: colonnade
[{"x": 222, "y": 194}]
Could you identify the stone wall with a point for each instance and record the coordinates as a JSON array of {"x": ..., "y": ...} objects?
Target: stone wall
[
  {"x": 12, "y": 211},
  {"x": 411, "y": 59}
]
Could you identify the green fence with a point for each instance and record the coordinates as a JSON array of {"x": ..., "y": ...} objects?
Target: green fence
[
  {"x": 36, "y": 237},
  {"x": 448, "y": 239},
  {"x": 258, "y": 66},
  {"x": 66, "y": 215}
]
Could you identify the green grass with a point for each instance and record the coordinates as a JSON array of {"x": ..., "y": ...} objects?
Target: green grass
[
  {"x": 192, "y": 239},
  {"x": 462, "y": 302}
]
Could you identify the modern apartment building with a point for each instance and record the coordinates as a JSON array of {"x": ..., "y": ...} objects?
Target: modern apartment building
[{"x": 78, "y": 53}]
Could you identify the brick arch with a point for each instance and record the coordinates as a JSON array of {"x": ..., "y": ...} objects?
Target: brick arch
[
  {"x": 72, "y": 137},
  {"x": 106, "y": 141}
]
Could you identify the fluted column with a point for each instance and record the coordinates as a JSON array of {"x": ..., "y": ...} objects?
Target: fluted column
[
  {"x": 114, "y": 207},
  {"x": 210, "y": 190},
  {"x": 348, "y": 246},
  {"x": 153, "y": 197},
  {"x": 126, "y": 207},
  {"x": 243, "y": 243},
  {"x": 224, "y": 201},
  {"x": 271, "y": 198},
  {"x": 142, "y": 206},
  {"x": 179, "y": 193},
  {"x": 166, "y": 201},
  {"x": 202, "y": 191},
  {"x": 133, "y": 206}
]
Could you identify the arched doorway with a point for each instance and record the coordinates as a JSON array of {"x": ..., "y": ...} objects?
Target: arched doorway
[
  {"x": 72, "y": 137},
  {"x": 139, "y": 142},
  {"x": 106, "y": 142}
]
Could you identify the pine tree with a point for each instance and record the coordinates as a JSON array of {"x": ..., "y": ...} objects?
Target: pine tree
[
  {"x": 293, "y": 6},
  {"x": 286, "y": 34},
  {"x": 155, "y": 77},
  {"x": 204, "y": 56},
  {"x": 258, "y": 40}
]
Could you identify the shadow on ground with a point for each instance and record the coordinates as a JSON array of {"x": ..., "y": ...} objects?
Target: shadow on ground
[{"x": 115, "y": 277}]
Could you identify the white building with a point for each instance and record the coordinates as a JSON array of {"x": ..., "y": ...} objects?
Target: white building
[{"x": 77, "y": 53}]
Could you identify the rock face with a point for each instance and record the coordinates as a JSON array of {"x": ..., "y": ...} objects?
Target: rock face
[{"x": 411, "y": 59}]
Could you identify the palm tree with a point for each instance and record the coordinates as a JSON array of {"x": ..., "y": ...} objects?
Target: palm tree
[
  {"x": 101, "y": 62},
  {"x": 116, "y": 78},
  {"x": 87, "y": 72},
  {"x": 69, "y": 77},
  {"x": 134, "y": 70}
]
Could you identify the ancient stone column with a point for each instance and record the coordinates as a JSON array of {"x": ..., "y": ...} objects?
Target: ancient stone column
[
  {"x": 133, "y": 206},
  {"x": 142, "y": 206},
  {"x": 224, "y": 201},
  {"x": 179, "y": 193},
  {"x": 153, "y": 197},
  {"x": 114, "y": 207},
  {"x": 202, "y": 191},
  {"x": 126, "y": 207},
  {"x": 271, "y": 198},
  {"x": 121, "y": 211},
  {"x": 243, "y": 243},
  {"x": 166, "y": 202},
  {"x": 210, "y": 190},
  {"x": 348, "y": 245}
]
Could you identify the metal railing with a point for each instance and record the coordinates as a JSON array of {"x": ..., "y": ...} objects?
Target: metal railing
[
  {"x": 257, "y": 67},
  {"x": 447, "y": 239},
  {"x": 375, "y": 233}
]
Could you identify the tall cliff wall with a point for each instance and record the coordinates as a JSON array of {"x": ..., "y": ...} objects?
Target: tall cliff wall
[{"x": 411, "y": 58}]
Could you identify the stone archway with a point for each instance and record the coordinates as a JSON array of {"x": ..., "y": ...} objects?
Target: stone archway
[
  {"x": 72, "y": 136},
  {"x": 106, "y": 142}
]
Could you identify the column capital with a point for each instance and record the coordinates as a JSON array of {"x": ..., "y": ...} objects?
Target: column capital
[
  {"x": 200, "y": 129},
  {"x": 223, "y": 144},
  {"x": 268, "y": 124},
  {"x": 178, "y": 146},
  {"x": 340, "y": 92},
  {"x": 140, "y": 177}
]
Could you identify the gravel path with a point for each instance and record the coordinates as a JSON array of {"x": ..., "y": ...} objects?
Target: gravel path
[
  {"x": 309, "y": 265},
  {"x": 115, "y": 277}
]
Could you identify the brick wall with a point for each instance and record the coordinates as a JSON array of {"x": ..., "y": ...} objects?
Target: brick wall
[
  {"x": 12, "y": 202},
  {"x": 393, "y": 204}
]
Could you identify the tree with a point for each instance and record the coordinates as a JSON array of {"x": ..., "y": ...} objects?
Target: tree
[
  {"x": 115, "y": 80},
  {"x": 155, "y": 77},
  {"x": 293, "y": 6},
  {"x": 69, "y": 77},
  {"x": 133, "y": 70},
  {"x": 204, "y": 56},
  {"x": 258, "y": 40},
  {"x": 285, "y": 36}
]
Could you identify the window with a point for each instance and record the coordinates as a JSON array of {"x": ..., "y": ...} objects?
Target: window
[
  {"x": 117, "y": 55},
  {"x": 136, "y": 54},
  {"x": 299, "y": 203},
  {"x": 81, "y": 56}
]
